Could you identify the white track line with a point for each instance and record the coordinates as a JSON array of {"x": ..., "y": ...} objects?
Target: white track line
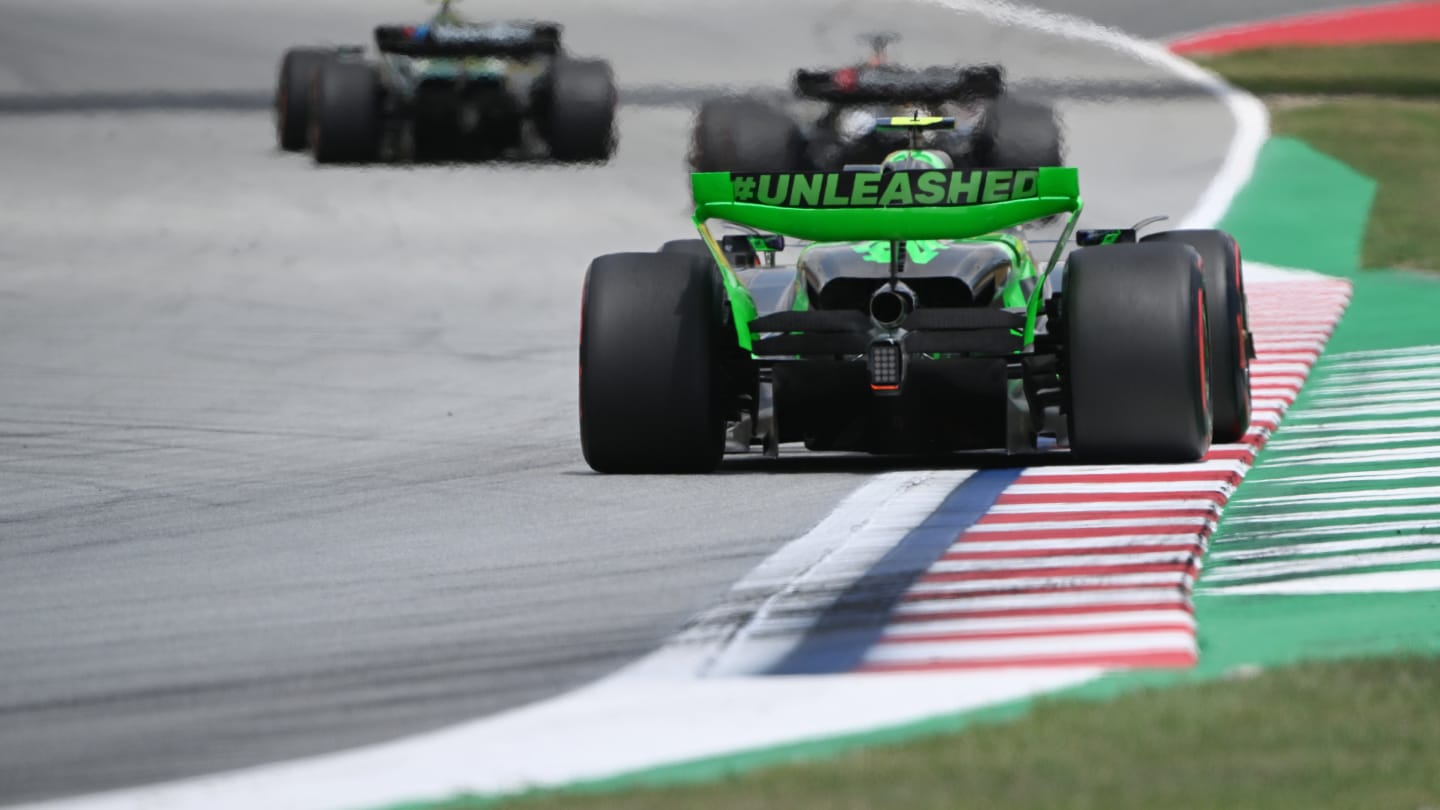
[
  {"x": 1252, "y": 123},
  {"x": 1402, "y": 474},
  {"x": 1284, "y": 445},
  {"x": 1323, "y": 516},
  {"x": 1313, "y": 532},
  {"x": 1404, "y": 351},
  {"x": 871, "y": 519},
  {"x": 1349, "y": 496},
  {"x": 1320, "y": 565},
  {"x": 1387, "y": 582},
  {"x": 1335, "y": 459},
  {"x": 1332, "y": 547}
]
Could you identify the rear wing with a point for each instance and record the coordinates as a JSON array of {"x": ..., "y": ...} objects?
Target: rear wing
[
  {"x": 879, "y": 85},
  {"x": 891, "y": 206},
  {"x": 443, "y": 39},
  {"x": 859, "y": 206}
]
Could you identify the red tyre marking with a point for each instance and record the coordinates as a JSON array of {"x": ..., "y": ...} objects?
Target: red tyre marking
[{"x": 1200, "y": 329}]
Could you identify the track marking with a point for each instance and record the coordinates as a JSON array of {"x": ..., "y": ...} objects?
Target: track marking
[
  {"x": 1387, "y": 582},
  {"x": 1331, "y": 547},
  {"x": 1388, "y": 537},
  {"x": 1279, "y": 535},
  {"x": 1061, "y": 543}
]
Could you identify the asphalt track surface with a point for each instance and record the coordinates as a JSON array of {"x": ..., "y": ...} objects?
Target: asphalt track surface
[{"x": 288, "y": 456}]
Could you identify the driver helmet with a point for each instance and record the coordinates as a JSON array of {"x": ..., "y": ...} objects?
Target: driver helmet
[{"x": 917, "y": 159}]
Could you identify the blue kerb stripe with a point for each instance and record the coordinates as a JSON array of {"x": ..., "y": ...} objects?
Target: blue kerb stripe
[{"x": 841, "y": 636}]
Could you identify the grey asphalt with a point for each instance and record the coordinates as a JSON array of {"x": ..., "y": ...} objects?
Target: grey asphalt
[{"x": 288, "y": 456}]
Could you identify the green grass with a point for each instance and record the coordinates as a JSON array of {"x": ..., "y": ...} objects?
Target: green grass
[
  {"x": 1315, "y": 736},
  {"x": 1359, "y": 117},
  {"x": 1388, "y": 70},
  {"x": 1396, "y": 142}
]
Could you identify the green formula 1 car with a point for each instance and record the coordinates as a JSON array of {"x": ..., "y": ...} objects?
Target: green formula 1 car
[{"x": 916, "y": 321}]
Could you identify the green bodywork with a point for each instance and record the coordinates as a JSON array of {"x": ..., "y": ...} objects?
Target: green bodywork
[{"x": 920, "y": 209}]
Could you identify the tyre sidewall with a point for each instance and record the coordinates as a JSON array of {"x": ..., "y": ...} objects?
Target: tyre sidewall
[
  {"x": 293, "y": 93},
  {"x": 1134, "y": 358},
  {"x": 650, "y": 382},
  {"x": 1020, "y": 134},
  {"x": 744, "y": 135},
  {"x": 579, "y": 120},
  {"x": 345, "y": 113},
  {"x": 1225, "y": 295}
]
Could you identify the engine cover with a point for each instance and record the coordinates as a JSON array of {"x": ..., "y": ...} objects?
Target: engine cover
[{"x": 942, "y": 273}]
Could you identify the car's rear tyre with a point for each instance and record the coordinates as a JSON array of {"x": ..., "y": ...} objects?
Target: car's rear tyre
[
  {"x": 345, "y": 113},
  {"x": 698, "y": 248},
  {"x": 1020, "y": 134},
  {"x": 292, "y": 95},
  {"x": 1228, "y": 348},
  {"x": 689, "y": 247},
  {"x": 744, "y": 135},
  {"x": 579, "y": 118},
  {"x": 1134, "y": 354},
  {"x": 651, "y": 398}
]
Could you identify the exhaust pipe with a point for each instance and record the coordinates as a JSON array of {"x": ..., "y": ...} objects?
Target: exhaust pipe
[{"x": 889, "y": 305}]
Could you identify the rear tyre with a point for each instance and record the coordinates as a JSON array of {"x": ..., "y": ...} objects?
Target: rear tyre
[
  {"x": 345, "y": 113},
  {"x": 651, "y": 390},
  {"x": 1228, "y": 347},
  {"x": 292, "y": 95},
  {"x": 744, "y": 135},
  {"x": 1134, "y": 356},
  {"x": 579, "y": 122},
  {"x": 1020, "y": 134},
  {"x": 689, "y": 247}
]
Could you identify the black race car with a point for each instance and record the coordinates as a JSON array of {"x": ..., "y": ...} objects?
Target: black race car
[
  {"x": 996, "y": 129},
  {"x": 447, "y": 88}
]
